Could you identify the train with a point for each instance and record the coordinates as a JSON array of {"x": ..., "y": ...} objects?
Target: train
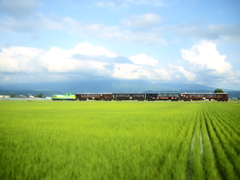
[
  {"x": 67, "y": 96},
  {"x": 142, "y": 96}
]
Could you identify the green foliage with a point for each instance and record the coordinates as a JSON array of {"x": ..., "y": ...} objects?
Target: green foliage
[
  {"x": 218, "y": 91},
  {"x": 119, "y": 140},
  {"x": 40, "y": 96}
]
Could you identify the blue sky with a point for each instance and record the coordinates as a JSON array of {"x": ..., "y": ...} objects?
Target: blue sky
[{"x": 182, "y": 41}]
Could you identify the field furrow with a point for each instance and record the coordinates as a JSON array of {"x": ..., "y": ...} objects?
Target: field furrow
[
  {"x": 211, "y": 168},
  {"x": 228, "y": 149},
  {"x": 224, "y": 165}
]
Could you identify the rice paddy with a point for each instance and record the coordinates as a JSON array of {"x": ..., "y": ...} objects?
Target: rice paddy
[{"x": 119, "y": 140}]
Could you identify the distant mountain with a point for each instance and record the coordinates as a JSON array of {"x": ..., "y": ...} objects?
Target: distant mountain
[
  {"x": 107, "y": 86},
  {"x": 111, "y": 85}
]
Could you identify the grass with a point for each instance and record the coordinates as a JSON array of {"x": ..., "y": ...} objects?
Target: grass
[{"x": 118, "y": 140}]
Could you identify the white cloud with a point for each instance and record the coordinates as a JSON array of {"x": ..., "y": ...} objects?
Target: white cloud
[
  {"x": 26, "y": 64},
  {"x": 205, "y": 56},
  {"x": 143, "y": 59},
  {"x": 34, "y": 22},
  {"x": 130, "y": 71},
  {"x": 182, "y": 74},
  {"x": 30, "y": 60},
  {"x": 143, "y": 67},
  {"x": 208, "y": 66},
  {"x": 142, "y": 21},
  {"x": 18, "y": 8},
  {"x": 84, "y": 60},
  {"x": 143, "y": 28},
  {"x": 135, "y": 71},
  {"x": 212, "y": 32},
  {"x": 60, "y": 60},
  {"x": 99, "y": 30},
  {"x": 20, "y": 59},
  {"x": 89, "y": 50},
  {"x": 189, "y": 75},
  {"x": 112, "y": 4},
  {"x": 110, "y": 32}
]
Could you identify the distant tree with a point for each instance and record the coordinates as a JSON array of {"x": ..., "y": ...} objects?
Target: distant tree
[
  {"x": 12, "y": 96},
  {"x": 40, "y": 96},
  {"x": 218, "y": 91}
]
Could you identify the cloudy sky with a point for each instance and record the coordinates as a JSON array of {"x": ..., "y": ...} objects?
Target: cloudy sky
[{"x": 183, "y": 41}]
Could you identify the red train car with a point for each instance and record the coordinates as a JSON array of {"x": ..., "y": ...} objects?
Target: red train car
[
  {"x": 204, "y": 96},
  {"x": 166, "y": 96},
  {"x": 94, "y": 96},
  {"x": 129, "y": 96}
]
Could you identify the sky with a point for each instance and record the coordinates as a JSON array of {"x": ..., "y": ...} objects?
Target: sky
[{"x": 177, "y": 41}]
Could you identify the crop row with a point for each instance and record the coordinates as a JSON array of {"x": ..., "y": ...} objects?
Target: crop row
[{"x": 224, "y": 147}]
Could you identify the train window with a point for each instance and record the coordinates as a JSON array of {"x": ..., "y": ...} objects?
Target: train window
[{"x": 139, "y": 95}]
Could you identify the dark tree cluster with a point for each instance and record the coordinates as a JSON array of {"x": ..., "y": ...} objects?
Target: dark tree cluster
[{"x": 218, "y": 91}]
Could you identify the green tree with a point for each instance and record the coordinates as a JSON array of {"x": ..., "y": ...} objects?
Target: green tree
[
  {"x": 218, "y": 91},
  {"x": 40, "y": 96}
]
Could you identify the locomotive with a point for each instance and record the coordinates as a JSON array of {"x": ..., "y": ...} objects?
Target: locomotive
[
  {"x": 67, "y": 96},
  {"x": 142, "y": 96}
]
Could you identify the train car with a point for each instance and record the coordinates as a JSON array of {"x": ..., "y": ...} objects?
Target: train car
[
  {"x": 162, "y": 96},
  {"x": 94, "y": 96},
  {"x": 67, "y": 96},
  {"x": 129, "y": 96},
  {"x": 151, "y": 96},
  {"x": 204, "y": 96}
]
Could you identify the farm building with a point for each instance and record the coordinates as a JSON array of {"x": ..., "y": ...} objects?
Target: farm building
[{"x": 4, "y": 96}]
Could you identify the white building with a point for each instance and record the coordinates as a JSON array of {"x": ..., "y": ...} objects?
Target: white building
[{"x": 4, "y": 96}]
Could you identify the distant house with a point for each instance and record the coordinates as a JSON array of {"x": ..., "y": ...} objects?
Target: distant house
[
  {"x": 4, "y": 96},
  {"x": 31, "y": 96}
]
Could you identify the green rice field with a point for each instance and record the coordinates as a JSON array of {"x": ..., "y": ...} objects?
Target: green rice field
[{"x": 119, "y": 140}]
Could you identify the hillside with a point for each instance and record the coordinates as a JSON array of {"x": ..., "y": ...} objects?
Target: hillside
[{"x": 107, "y": 86}]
